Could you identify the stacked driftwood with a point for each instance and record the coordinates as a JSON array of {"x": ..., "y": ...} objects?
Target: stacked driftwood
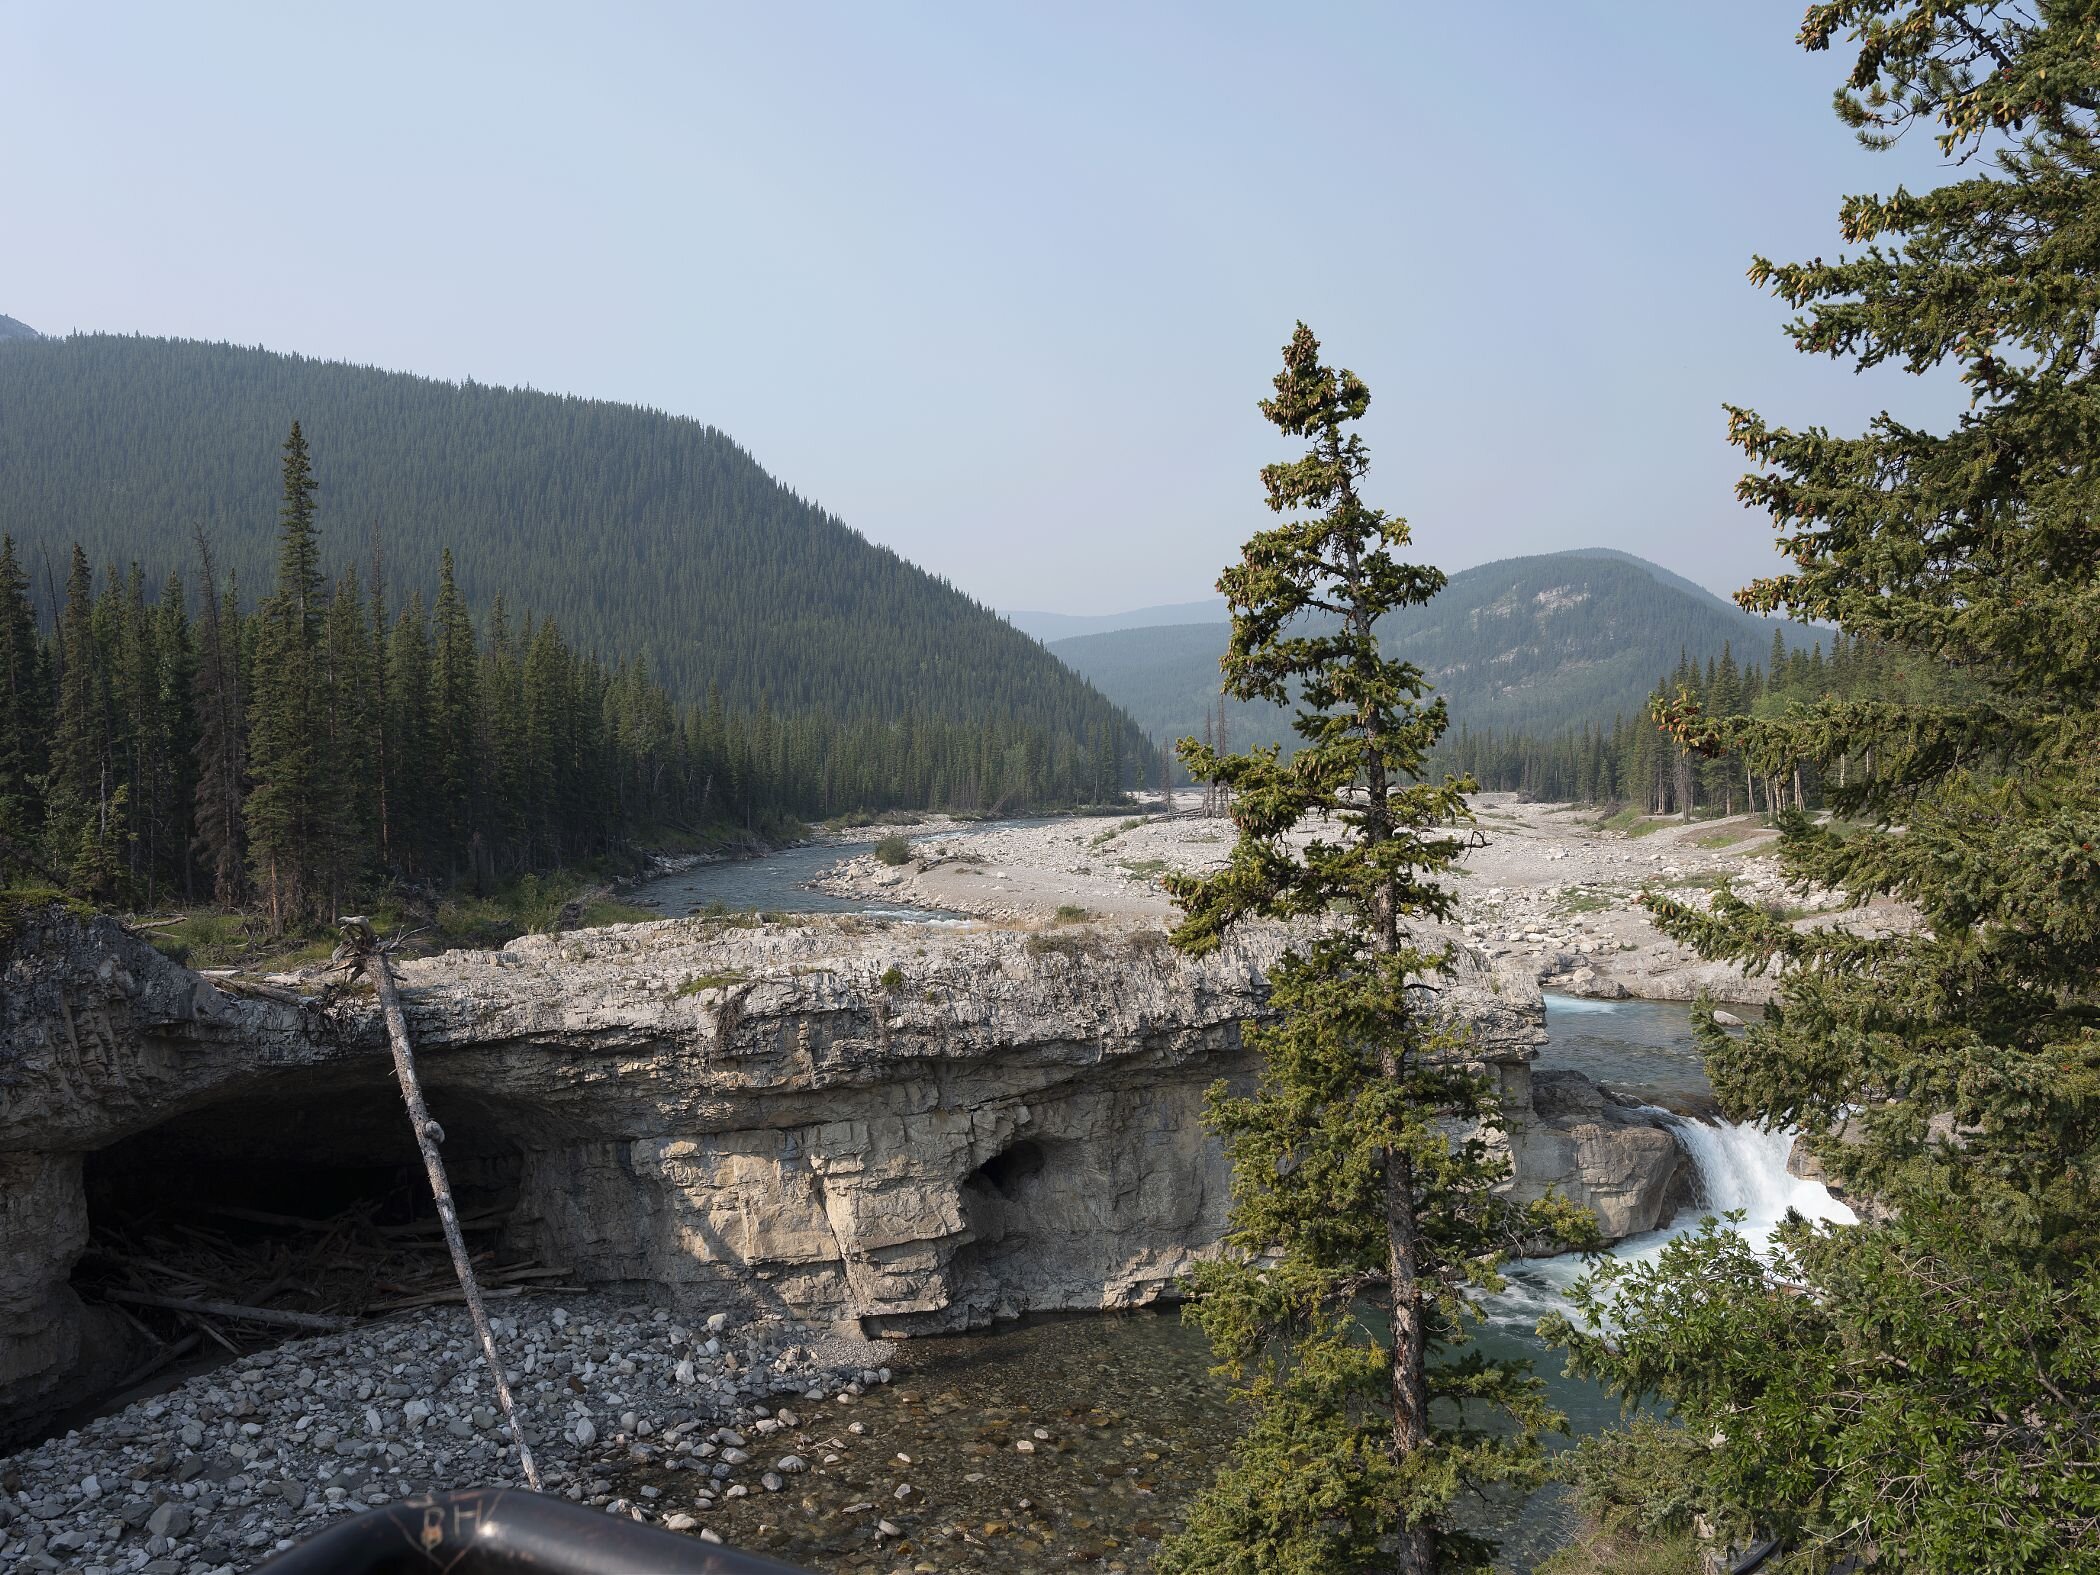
[{"x": 242, "y": 1277}]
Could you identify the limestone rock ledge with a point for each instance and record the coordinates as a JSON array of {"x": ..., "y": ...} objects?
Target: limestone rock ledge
[{"x": 911, "y": 1127}]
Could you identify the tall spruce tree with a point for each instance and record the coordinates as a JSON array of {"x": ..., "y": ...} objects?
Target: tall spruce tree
[
  {"x": 83, "y": 801},
  {"x": 1349, "y": 1187},
  {"x": 415, "y": 826},
  {"x": 455, "y": 672},
  {"x": 287, "y": 805},
  {"x": 349, "y": 698},
  {"x": 1922, "y": 1393},
  {"x": 25, "y": 710},
  {"x": 219, "y": 832}
]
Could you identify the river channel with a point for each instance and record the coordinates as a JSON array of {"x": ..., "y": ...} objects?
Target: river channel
[
  {"x": 1078, "y": 1441},
  {"x": 780, "y": 882}
]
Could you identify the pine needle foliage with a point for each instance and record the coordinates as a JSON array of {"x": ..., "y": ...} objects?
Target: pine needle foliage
[
  {"x": 1922, "y": 1392},
  {"x": 1363, "y": 1169}
]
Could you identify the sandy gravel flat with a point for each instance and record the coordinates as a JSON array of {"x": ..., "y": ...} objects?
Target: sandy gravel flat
[{"x": 1549, "y": 886}]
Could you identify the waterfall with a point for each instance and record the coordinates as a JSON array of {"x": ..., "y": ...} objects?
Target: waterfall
[
  {"x": 1744, "y": 1167},
  {"x": 1736, "y": 1167}
]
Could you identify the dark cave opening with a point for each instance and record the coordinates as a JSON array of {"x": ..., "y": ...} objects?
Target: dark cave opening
[
  {"x": 290, "y": 1205},
  {"x": 1009, "y": 1170},
  {"x": 999, "y": 1208}
]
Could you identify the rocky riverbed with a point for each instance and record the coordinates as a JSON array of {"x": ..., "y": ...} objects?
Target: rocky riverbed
[
  {"x": 220, "y": 1471},
  {"x": 1552, "y": 888},
  {"x": 802, "y": 1130}
]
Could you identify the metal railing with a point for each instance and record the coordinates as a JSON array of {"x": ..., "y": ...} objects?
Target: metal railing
[{"x": 507, "y": 1531}]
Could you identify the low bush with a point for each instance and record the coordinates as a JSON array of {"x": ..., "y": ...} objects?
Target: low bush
[{"x": 893, "y": 849}]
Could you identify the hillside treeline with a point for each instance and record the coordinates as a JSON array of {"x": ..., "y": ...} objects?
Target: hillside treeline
[
  {"x": 637, "y": 532},
  {"x": 289, "y": 753},
  {"x": 1633, "y": 763},
  {"x": 1530, "y": 647}
]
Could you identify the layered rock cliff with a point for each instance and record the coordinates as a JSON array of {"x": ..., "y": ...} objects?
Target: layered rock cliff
[{"x": 907, "y": 1127}]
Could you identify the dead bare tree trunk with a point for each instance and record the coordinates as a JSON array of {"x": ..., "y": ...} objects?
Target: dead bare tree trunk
[{"x": 372, "y": 957}]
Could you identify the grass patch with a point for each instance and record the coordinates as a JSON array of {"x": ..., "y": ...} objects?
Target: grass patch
[
  {"x": 15, "y": 900},
  {"x": 1637, "y": 1487},
  {"x": 1584, "y": 902},
  {"x": 1636, "y": 823},
  {"x": 1727, "y": 837},
  {"x": 215, "y": 939},
  {"x": 719, "y": 912},
  {"x": 858, "y": 819},
  {"x": 893, "y": 850},
  {"x": 1705, "y": 880},
  {"x": 707, "y": 981},
  {"x": 1142, "y": 869},
  {"x": 1041, "y": 944},
  {"x": 1072, "y": 913},
  {"x": 208, "y": 940},
  {"x": 1601, "y": 1552},
  {"x": 1103, "y": 839},
  {"x": 529, "y": 905}
]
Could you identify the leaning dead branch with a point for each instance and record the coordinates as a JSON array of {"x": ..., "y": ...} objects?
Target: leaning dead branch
[
  {"x": 311, "y": 1323},
  {"x": 363, "y": 949}
]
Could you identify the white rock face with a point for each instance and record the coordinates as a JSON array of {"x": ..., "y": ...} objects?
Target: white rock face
[{"x": 836, "y": 1122}]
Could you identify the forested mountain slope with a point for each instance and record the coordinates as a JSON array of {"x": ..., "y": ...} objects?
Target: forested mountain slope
[
  {"x": 643, "y": 534},
  {"x": 1531, "y": 645}
]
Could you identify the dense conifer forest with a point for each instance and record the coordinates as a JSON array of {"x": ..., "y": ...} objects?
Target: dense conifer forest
[
  {"x": 156, "y": 744},
  {"x": 643, "y": 536},
  {"x": 1636, "y": 764}
]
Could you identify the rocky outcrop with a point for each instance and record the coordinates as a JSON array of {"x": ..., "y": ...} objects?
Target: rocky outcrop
[
  {"x": 902, "y": 1127},
  {"x": 1609, "y": 1154}
]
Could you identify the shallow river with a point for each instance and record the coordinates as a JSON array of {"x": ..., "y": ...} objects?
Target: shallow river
[{"x": 1122, "y": 1420}]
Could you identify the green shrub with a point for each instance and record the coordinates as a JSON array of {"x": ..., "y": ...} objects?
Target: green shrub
[
  {"x": 893, "y": 978},
  {"x": 893, "y": 849},
  {"x": 1637, "y": 1488},
  {"x": 1070, "y": 913}
]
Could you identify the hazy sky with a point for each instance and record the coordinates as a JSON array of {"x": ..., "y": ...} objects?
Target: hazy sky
[{"x": 1000, "y": 285}]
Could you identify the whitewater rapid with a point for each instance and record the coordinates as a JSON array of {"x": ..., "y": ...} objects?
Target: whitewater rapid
[{"x": 1736, "y": 1167}]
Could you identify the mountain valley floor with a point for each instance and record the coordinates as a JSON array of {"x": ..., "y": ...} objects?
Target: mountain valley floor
[{"x": 1554, "y": 886}]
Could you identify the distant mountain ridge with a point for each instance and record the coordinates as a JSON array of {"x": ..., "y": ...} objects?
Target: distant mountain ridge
[
  {"x": 643, "y": 534},
  {"x": 15, "y": 328},
  {"x": 1050, "y": 626},
  {"x": 1534, "y": 644}
]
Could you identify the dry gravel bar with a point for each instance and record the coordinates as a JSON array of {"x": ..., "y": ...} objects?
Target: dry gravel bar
[{"x": 238, "y": 1462}]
